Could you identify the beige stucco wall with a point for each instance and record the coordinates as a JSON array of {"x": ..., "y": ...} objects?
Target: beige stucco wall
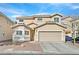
[
  {"x": 28, "y": 21},
  {"x": 35, "y": 20},
  {"x": 23, "y": 36},
  {"x": 20, "y": 28},
  {"x": 6, "y": 27},
  {"x": 52, "y": 27},
  {"x": 43, "y": 20},
  {"x": 33, "y": 26}
]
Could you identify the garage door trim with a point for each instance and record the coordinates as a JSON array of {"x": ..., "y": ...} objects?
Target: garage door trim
[{"x": 50, "y": 31}]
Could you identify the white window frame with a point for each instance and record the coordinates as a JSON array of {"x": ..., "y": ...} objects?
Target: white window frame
[
  {"x": 21, "y": 32},
  {"x": 21, "y": 20},
  {"x": 56, "y": 19},
  {"x": 27, "y": 34},
  {"x": 39, "y": 18}
]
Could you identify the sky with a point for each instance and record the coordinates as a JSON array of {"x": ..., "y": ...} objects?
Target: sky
[{"x": 13, "y": 10}]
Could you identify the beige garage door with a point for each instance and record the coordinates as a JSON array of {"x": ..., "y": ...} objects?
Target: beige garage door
[
  {"x": 1, "y": 36},
  {"x": 50, "y": 36}
]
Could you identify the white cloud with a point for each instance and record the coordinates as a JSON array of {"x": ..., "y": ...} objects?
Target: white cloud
[
  {"x": 69, "y": 5},
  {"x": 14, "y": 16},
  {"x": 75, "y": 7},
  {"x": 41, "y": 14},
  {"x": 56, "y": 4},
  {"x": 12, "y": 11}
]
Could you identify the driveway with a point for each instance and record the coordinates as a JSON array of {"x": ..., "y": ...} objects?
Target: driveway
[
  {"x": 59, "y": 48},
  {"x": 40, "y": 48}
]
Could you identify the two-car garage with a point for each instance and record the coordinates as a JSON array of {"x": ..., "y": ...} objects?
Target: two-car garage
[
  {"x": 50, "y": 35},
  {"x": 50, "y": 32},
  {"x": 1, "y": 35}
]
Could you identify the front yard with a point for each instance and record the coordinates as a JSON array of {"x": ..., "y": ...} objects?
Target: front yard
[{"x": 39, "y": 48}]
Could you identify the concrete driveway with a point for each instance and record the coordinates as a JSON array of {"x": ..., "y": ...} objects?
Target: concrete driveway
[
  {"x": 59, "y": 48},
  {"x": 40, "y": 48}
]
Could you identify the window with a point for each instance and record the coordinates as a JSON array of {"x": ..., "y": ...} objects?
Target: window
[
  {"x": 56, "y": 19},
  {"x": 77, "y": 34},
  {"x": 21, "y": 20},
  {"x": 18, "y": 32},
  {"x": 26, "y": 32},
  {"x": 15, "y": 22},
  {"x": 40, "y": 19}
]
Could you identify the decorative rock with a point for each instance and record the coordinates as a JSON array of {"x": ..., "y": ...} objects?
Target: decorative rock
[
  {"x": 1, "y": 44},
  {"x": 22, "y": 45}
]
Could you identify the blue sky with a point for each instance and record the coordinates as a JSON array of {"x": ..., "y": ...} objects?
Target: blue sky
[{"x": 12, "y": 10}]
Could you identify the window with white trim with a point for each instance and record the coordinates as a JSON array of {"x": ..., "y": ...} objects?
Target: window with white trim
[
  {"x": 20, "y": 20},
  {"x": 19, "y": 32},
  {"x": 26, "y": 32},
  {"x": 39, "y": 18},
  {"x": 56, "y": 19}
]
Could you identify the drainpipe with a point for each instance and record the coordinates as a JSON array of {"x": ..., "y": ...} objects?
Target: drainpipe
[{"x": 32, "y": 33}]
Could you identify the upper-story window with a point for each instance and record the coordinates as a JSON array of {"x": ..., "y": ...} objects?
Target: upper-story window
[
  {"x": 18, "y": 32},
  {"x": 20, "y": 20},
  {"x": 56, "y": 19},
  {"x": 40, "y": 19},
  {"x": 15, "y": 22}
]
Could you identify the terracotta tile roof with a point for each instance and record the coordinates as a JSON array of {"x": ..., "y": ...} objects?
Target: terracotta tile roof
[
  {"x": 16, "y": 25},
  {"x": 41, "y": 15},
  {"x": 72, "y": 19},
  {"x": 50, "y": 23},
  {"x": 34, "y": 16},
  {"x": 54, "y": 14},
  {"x": 75, "y": 17},
  {"x": 31, "y": 24}
]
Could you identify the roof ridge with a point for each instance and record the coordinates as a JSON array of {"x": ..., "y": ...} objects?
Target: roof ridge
[{"x": 50, "y": 23}]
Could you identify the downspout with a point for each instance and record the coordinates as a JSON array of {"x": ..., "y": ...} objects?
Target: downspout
[{"x": 32, "y": 34}]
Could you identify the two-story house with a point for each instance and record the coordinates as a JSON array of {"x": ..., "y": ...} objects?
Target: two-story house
[
  {"x": 39, "y": 28},
  {"x": 5, "y": 28},
  {"x": 75, "y": 26}
]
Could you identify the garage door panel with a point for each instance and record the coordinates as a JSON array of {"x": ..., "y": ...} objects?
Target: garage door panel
[
  {"x": 1, "y": 36},
  {"x": 50, "y": 35}
]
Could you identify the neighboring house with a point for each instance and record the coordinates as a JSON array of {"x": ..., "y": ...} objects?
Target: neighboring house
[
  {"x": 72, "y": 24},
  {"x": 39, "y": 28},
  {"x": 5, "y": 27},
  {"x": 67, "y": 21},
  {"x": 75, "y": 28}
]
